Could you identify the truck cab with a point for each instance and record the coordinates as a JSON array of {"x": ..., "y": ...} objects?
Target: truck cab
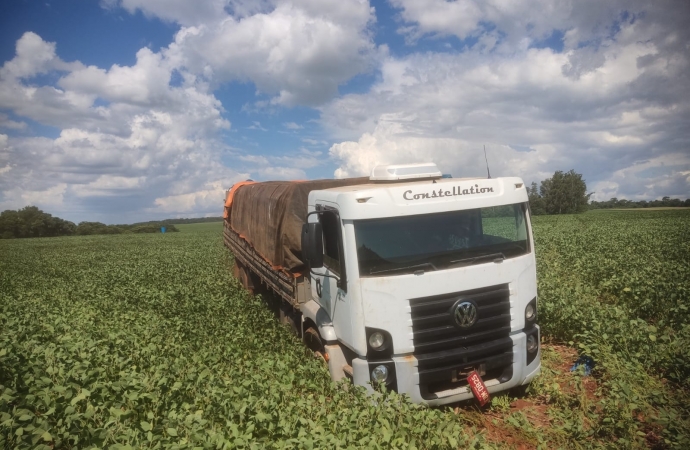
[{"x": 417, "y": 280}]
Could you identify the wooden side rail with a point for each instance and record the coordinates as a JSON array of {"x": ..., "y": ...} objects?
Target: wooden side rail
[{"x": 283, "y": 284}]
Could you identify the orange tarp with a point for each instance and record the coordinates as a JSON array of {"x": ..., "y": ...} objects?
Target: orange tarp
[{"x": 231, "y": 195}]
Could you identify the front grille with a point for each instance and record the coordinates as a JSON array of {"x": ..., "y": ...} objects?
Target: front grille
[
  {"x": 444, "y": 350},
  {"x": 434, "y": 328},
  {"x": 444, "y": 370}
]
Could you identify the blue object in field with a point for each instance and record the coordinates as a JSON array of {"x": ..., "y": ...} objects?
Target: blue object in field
[
  {"x": 585, "y": 361},
  {"x": 162, "y": 229}
]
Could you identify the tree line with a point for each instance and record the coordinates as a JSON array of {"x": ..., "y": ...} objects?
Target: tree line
[
  {"x": 31, "y": 222},
  {"x": 666, "y": 202},
  {"x": 566, "y": 193}
]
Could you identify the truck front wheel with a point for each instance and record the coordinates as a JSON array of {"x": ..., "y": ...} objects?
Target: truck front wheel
[{"x": 313, "y": 340}]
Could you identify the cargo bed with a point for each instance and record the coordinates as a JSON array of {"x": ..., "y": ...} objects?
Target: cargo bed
[{"x": 293, "y": 288}]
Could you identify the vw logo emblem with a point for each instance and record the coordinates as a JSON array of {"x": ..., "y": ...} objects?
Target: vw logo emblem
[{"x": 465, "y": 314}]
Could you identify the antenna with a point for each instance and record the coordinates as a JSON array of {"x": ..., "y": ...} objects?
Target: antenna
[{"x": 487, "y": 164}]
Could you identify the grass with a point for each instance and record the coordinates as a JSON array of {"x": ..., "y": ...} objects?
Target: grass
[
  {"x": 200, "y": 227},
  {"x": 146, "y": 341},
  {"x": 656, "y": 208}
]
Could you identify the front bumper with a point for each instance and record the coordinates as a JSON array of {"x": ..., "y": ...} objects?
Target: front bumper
[{"x": 407, "y": 375}]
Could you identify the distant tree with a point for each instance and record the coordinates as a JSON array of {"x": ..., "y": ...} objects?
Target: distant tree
[
  {"x": 9, "y": 224},
  {"x": 32, "y": 222},
  {"x": 536, "y": 203},
  {"x": 623, "y": 203},
  {"x": 88, "y": 228},
  {"x": 563, "y": 193}
]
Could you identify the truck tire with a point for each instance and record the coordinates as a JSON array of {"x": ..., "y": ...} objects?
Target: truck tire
[
  {"x": 287, "y": 318},
  {"x": 313, "y": 340},
  {"x": 236, "y": 270},
  {"x": 243, "y": 274}
]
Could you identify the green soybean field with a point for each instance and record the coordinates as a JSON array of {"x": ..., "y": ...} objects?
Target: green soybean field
[{"x": 147, "y": 341}]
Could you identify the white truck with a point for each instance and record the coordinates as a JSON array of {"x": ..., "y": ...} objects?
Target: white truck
[{"x": 407, "y": 278}]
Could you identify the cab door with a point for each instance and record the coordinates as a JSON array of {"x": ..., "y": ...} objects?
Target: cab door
[{"x": 329, "y": 283}]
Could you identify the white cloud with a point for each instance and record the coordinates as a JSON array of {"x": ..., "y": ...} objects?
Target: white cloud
[
  {"x": 301, "y": 161},
  {"x": 145, "y": 83},
  {"x": 143, "y": 139},
  {"x": 298, "y": 52},
  {"x": 8, "y": 124},
  {"x": 599, "y": 110},
  {"x": 311, "y": 141},
  {"x": 128, "y": 133},
  {"x": 614, "y": 104},
  {"x": 33, "y": 56},
  {"x": 513, "y": 25},
  {"x": 254, "y": 159},
  {"x": 287, "y": 166},
  {"x": 109, "y": 185},
  {"x": 660, "y": 176},
  {"x": 203, "y": 200},
  {"x": 48, "y": 198},
  {"x": 390, "y": 143},
  {"x": 459, "y": 17},
  {"x": 282, "y": 173},
  {"x": 181, "y": 11},
  {"x": 256, "y": 125},
  {"x": 313, "y": 153}
]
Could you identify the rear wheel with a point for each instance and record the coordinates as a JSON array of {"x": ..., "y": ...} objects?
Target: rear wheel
[
  {"x": 289, "y": 319},
  {"x": 244, "y": 275},
  {"x": 236, "y": 270}
]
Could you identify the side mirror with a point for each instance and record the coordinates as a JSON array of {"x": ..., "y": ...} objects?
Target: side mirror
[{"x": 312, "y": 245}]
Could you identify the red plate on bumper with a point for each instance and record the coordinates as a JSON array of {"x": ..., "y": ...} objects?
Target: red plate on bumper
[{"x": 478, "y": 387}]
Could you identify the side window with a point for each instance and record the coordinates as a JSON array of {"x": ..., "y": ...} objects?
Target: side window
[
  {"x": 520, "y": 223},
  {"x": 331, "y": 233},
  {"x": 499, "y": 221}
]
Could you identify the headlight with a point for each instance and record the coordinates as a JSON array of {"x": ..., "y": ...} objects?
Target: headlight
[
  {"x": 376, "y": 340},
  {"x": 529, "y": 312},
  {"x": 532, "y": 343},
  {"x": 379, "y": 374}
]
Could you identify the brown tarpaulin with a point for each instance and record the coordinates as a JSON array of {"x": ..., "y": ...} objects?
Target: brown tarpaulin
[
  {"x": 270, "y": 216},
  {"x": 231, "y": 194}
]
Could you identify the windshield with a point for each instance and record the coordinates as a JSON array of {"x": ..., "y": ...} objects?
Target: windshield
[{"x": 408, "y": 244}]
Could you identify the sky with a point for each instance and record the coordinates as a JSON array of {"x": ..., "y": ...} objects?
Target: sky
[{"x": 128, "y": 110}]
